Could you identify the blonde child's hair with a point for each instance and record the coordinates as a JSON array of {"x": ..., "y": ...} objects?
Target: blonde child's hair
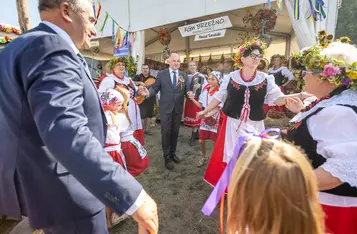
[
  {"x": 125, "y": 93},
  {"x": 273, "y": 190}
]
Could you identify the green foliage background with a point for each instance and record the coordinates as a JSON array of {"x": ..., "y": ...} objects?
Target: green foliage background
[{"x": 347, "y": 20}]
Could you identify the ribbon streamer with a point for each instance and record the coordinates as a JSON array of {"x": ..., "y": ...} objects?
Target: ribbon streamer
[
  {"x": 297, "y": 9},
  {"x": 280, "y": 5},
  {"x": 98, "y": 12},
  {"x": 224, "y": 180},
  {"x": 269, "y": 4},
  {"x": 105, "y": 22}
]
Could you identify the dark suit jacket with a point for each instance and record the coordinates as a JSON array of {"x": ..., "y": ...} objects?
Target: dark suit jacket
[
  {"x": 52, "y": 164},
  {"x": 170, "y": 98}
]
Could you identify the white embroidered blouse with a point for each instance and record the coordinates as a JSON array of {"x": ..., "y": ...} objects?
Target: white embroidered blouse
[{"x": 335, "y": 130}]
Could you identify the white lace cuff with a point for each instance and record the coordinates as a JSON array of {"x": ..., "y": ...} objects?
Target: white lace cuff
[{"x": 344, "y": 169}]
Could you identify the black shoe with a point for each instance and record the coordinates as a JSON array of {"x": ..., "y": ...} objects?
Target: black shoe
[
  {"x": 192, "y": 139},
  {"x": 169, "y": 165},
  {"x": 175, "y": 159},
  {"x": 197, "y": 135}
]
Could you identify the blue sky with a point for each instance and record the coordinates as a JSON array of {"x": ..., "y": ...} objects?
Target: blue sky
[{"x": 8, "y": 13}]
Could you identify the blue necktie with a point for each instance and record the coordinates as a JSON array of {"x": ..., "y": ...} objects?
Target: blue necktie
[{"x": 174, "y": 80}]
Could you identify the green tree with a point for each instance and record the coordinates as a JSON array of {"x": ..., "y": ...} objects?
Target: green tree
[{"x": 347, "y": 20}]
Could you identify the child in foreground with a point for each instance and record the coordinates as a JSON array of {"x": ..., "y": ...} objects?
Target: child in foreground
[
  {"x": 209, "y": 123},
  {"x": 273, "y": 190}
]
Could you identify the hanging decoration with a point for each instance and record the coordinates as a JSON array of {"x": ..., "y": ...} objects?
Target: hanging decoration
[
  {"x": 165, "y": 39},
  {"x": 247, "y": 18},
  {"x": 264, "y": 21},
  {"x": 8, "y": 29},
  {"x": 315, "y": 9}
]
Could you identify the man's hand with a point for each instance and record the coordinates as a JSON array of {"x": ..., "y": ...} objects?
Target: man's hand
[
  {"x": 146, "y": 216},
  {"x": 143, "y": 91}
]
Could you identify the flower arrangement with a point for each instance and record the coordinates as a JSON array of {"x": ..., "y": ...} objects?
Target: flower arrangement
[
  {"x": 164, "y": 37},
  {"x": 129, "y": 63},
  {"x": 9, "y": 29},
  {"x": 180, "y": 82},
  {"x": 264, "y": 20},
  {"x": 6, "y": 39},
  {"x": 335, "y": 71},
  {"x": 256, "y": 42}
]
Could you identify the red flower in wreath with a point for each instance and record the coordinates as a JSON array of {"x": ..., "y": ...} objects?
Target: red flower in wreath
[{"x": 164, "y": 36}]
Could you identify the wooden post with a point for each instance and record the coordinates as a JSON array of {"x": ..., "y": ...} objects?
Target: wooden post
[
  {"x": 188, "y": 49},
  {"x": 23, "y": 15},
  {"x": 287, "y": 46}
]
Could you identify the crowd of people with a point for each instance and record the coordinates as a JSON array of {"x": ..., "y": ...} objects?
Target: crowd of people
[{"x": 71, "y": 150}]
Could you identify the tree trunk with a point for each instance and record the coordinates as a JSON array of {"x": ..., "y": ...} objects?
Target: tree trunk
[{"x": 23, "y": 15}]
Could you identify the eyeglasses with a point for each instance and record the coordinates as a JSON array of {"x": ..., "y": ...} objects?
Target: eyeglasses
[
  {"x": 256, "y": 56},
  {"x": 304, "y": 73}
]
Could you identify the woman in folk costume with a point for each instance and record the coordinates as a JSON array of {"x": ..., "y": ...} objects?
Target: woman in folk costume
[
  {"x": 136, "y": 158},
  {"x": 282, "y": 76},
  {"x": 118, "y": 78},
  {"x": 114, "y": 104},
  {"x": 243, "y": 93},
  {"x": 210, "y": 123},
  {"x": 191, "y": 110},
  {"x": 327, "y": 128}
]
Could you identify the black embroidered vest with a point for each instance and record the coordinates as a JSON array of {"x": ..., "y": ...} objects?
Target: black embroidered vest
[
  {"x": 301, "y": 137},
  {"x": 237, "y": 95},
  {"x": 280, "y": 79}
]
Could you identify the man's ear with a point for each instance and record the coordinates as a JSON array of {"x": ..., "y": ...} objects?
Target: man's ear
[{"x": 65, "y": 11}]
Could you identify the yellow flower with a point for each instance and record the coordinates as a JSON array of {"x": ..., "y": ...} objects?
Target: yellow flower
[
  {"x": 352, "y": 75},
  {"x": 132, "y": 68}
]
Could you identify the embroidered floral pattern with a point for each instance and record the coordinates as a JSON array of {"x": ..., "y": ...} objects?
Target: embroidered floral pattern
[
  {"x": 259, "y": 86},
  {"x": 235, "y": 84}
]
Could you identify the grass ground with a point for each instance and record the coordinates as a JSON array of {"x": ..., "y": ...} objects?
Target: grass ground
[{"x": 180, "y": 194}]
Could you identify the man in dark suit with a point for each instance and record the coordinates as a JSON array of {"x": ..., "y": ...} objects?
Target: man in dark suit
[
  {"x": 53, "y": 166},
  {"x": 173, "y": 85}
]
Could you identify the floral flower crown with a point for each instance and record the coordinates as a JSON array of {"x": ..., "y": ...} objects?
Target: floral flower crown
[
  {"x": 129, "y": 63},
  {"x": 334, "y": 70},
  {"x": 256, "y": 42},
  {"x": 110, "y": 97}
]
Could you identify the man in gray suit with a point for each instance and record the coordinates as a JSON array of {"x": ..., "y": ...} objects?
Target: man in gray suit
[
  {"x": 173, "y": 85},
  {"x": 53, "y": 167}
]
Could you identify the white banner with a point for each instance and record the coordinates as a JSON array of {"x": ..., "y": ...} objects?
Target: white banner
[
  {"x": 210, "y": 35},
  {"x": 205, "y": 26}
]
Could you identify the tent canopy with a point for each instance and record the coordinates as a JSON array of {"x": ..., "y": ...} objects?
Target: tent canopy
[{"x": 136, "y": 15}]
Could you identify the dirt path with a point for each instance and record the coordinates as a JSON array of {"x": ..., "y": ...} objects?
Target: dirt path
[{"x": 180, "y": 194}]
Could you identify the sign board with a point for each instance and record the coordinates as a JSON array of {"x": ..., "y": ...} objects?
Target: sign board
[
  {"x": 205, "y": 26},
  {"x": 210, "y": 35},
  {"x": 94, "y": 43}
]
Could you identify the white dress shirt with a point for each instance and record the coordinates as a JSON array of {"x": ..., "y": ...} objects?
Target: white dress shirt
[
  {"x": 141, "y": 198},
  {"x": 172, "y": 75}
]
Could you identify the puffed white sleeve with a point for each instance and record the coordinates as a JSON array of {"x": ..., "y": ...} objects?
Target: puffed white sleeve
[
  {"x": 221, "y": 94},
  {"x": 335, "y": 130},
  {"x": 273, "y": 91},
  {"x": 287, "y": 73},
  {"x": 107, "y": 83}
]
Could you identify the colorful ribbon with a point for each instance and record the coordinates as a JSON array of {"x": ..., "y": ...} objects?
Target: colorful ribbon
[
  {"x": 224, "y": 180},
  {"x": 104, "y": 23},
  {"x": 297, "y": 9}
]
